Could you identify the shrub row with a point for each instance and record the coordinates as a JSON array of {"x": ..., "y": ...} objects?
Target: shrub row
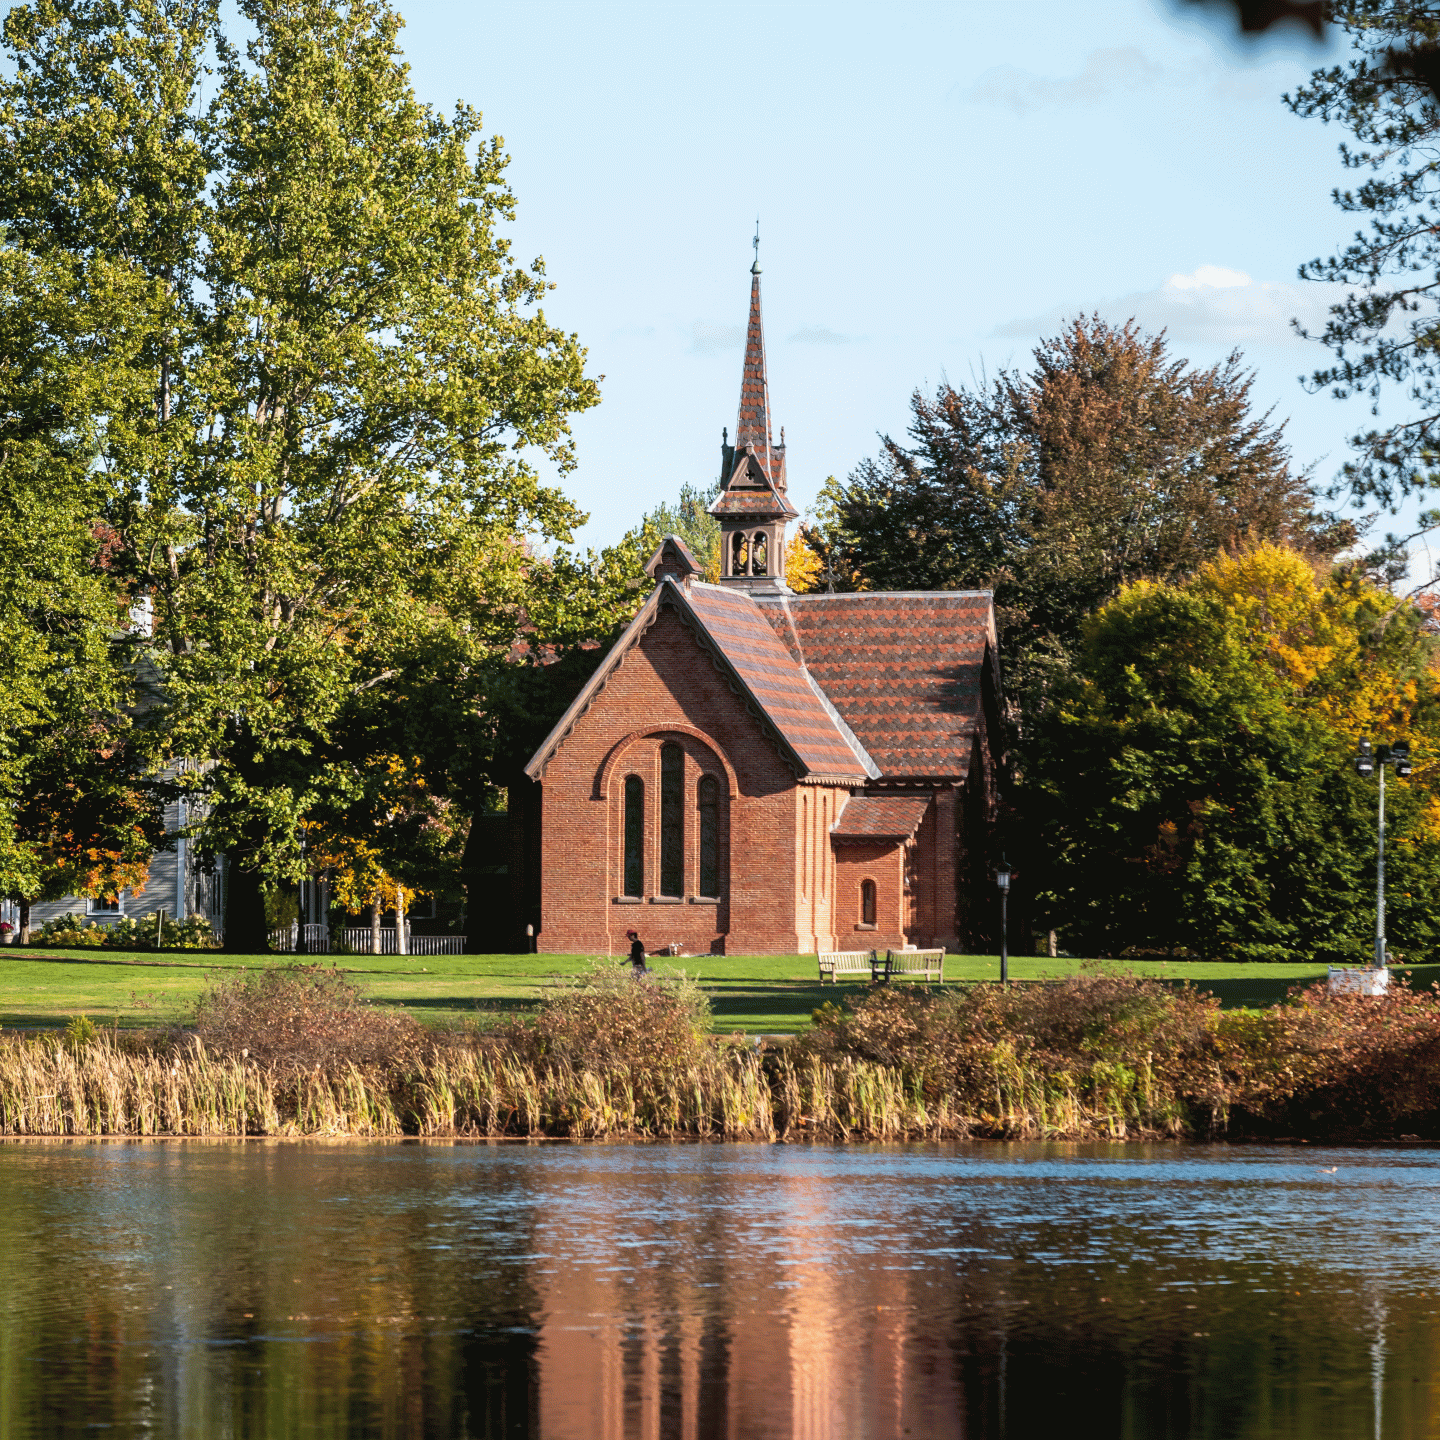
[
  {"x": 149, "y": 932},
  {"x": 298, "y": 1051}
]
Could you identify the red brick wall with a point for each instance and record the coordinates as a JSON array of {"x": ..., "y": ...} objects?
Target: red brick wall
[
  {"x": 882, "y": 861},
  {"x": 666, "y": 687}
]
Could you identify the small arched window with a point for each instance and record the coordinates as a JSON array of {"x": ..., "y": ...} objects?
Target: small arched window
[
  {"x": 672, "y": 819},
  {"x": 739, "y": 555},
  {"x": 867, "y": 902},
  {"x": 758, "y": 552},
  {"x": 708, "y": 803},
  {"x": 634, "y": 835}
]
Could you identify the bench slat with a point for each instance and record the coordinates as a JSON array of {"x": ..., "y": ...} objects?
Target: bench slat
[
  {"x": 917, "y": 962},
  {"x": 844, "y": 962}
]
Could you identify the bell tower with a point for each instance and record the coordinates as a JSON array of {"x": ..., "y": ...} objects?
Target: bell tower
[{"x": 752, "y": 506}]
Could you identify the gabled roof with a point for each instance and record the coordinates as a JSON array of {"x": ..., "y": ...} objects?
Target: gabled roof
[
  {"x": 880, "y": 817},
  {"x": 728, "y": 624},
  {"x": 673, "y": 557},
  {"x": 905, "y": 669},
  {"x": 797, "y": 708},
  {"x": 749, "y": 491}
]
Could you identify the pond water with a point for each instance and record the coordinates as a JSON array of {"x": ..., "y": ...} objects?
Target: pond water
[{"x": 307, "y": 1288}]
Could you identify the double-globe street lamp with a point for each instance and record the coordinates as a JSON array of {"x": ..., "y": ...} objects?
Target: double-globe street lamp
[{"x": 1367, "y": 761}]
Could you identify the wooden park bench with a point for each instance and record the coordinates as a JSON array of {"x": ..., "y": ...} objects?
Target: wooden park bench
[
  {"x": 912, "y": 964},
  {"x": 835, "y": 963}
]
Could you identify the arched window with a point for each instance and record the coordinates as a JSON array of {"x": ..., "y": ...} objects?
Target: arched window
[
  {"x": 739, "y": 555},
  {"x": 867, "y": 902},
  {"x": 672, "y": 820},
  {"x": 634, "y": 835},
  {"x": 708, "y": 802},
  {"x": 757, "y": 551},
  {"x": 807, "y": 841}
]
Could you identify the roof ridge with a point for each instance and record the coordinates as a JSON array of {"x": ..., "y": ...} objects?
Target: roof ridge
[{"x": 884, "y": 594}]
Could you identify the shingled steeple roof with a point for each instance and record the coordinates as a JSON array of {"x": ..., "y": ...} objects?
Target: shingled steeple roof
[
  {"x": 752, "y": 424},
  {"x": 754, "y": 466}
]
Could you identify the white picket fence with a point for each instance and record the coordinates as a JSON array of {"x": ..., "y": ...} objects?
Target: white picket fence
[
  {"x": 437, "y": 944},
  {"x": 358, "y": 938}
]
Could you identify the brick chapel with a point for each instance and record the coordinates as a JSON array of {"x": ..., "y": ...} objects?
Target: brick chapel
[{"x": 753, "y": 771}]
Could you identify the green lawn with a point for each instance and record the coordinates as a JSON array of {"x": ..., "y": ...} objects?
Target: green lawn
[{"x": 759, "y": 994}]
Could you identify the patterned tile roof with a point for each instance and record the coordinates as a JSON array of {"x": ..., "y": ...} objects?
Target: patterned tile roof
[
  {"x": 764, "y": 504},
  {"x": 904, "y": 669},
  {"x": 854, "y": 687},
  {"x": 728, "y": 621},
  {"x": 752, "y": 424},
  {"x": 800, "y": 714},
  {"x": 880, "y": 817}
]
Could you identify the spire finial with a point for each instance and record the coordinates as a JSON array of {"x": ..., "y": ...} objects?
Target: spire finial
[{"x": 755, "y": 268}]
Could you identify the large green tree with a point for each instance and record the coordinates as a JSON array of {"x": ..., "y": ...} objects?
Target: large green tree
[
  {"x": 323, "y": 479},
  {"x": 1191, "y": 787},
  {"x": 1109, "y": 462},
  {"x": 75, "y": 817}
]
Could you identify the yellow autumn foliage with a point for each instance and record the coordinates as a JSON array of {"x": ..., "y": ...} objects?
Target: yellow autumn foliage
[
  {"x": 803, "y": 566},
  {"x": 352, "y": 855},
  {"x": 1325, "y": 639}
]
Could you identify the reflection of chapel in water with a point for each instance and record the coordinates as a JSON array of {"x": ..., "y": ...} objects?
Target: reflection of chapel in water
[{"x": 752, "y": 771}]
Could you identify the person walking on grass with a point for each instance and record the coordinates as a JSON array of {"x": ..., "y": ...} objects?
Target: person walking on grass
[{"x": 637, "y": 953}]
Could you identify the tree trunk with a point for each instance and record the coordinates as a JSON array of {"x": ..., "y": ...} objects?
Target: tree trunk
[
  {"x": 375, "y": 926},
  {"x": 23, "y": 933},
  {"x": 245, "y": 930},
  {"x": 402, "y": 946}
]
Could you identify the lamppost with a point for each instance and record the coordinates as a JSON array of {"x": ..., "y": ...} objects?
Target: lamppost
[
  {"x": 1002, "y": 881},
  {"x": 1366, "y": 761}
]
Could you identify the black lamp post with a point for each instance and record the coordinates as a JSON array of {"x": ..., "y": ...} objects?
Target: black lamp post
[
  {"x": 1002, "y": 881},
  {"x": 1366, "y": 763}
]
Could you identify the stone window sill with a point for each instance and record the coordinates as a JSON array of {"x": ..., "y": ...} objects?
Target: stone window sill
[
  {"x": 863, "y": 926},
  {"x": 667, "y": 899},
  {"x": 704, "y": 899},
  {"x": 627, "y": 900}
]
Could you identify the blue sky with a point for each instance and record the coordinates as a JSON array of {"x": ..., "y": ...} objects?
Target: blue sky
[{"x": 937, "y": 186}]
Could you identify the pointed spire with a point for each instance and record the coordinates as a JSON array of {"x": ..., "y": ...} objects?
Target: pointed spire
[{"x": 752, "y": 426}]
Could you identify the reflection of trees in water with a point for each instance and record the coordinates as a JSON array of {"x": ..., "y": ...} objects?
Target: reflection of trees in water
[
  {"x": 599, "y": 1293},
  {"x": 191, "y": 1310}
]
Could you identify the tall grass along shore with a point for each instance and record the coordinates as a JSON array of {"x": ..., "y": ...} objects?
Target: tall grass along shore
[{"x": 297, "y": 1051}]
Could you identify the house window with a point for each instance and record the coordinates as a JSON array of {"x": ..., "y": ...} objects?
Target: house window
[
  {"x": 708, "y": 799},
  {"x": 672, "y": 820},
  {"x": 758, "y": 551},
  {"x": 110, "y": 905},
  {"x": 634, "y": 835},
  {"x": 739, "y": 555},
  {"x": 867, "y": 902}
]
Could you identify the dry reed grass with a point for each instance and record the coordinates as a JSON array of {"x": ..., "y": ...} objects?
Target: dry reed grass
[{"x": 1098, "y": 1058}]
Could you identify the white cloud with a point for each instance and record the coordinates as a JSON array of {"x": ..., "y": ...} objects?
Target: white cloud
[
  {"x": 1119, "y": 71},
  {"x": 707, "y": 339},
  {"x": 1213, "y": 304},
  {"x": 820, "y": 335},
  {"x": 1215, "y": 277}
]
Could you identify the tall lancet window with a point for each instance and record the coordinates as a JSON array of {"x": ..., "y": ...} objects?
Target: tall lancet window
[
  {"x": 672, "y": 820},
  {"x": 634, "y": 835},
  {"x": 758, "y": 551},
  {"x": 739, "y": 555},
  {"x": 708, "y": 800}
]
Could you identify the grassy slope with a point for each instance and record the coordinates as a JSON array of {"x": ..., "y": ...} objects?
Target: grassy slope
[{"x": 754, "y": 993}]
